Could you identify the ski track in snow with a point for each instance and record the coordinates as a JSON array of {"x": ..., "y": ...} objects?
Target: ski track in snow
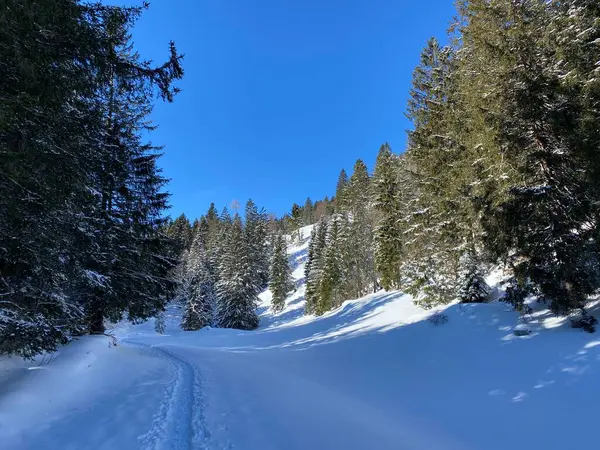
[{"x": 179, "y": 424}]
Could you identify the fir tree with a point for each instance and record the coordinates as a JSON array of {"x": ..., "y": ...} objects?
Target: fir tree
[
  {"x": 340, "y": 188},
  {"x": 357, "y": 249},
  {"x": 332, "y": 269},
  {"x": 82, "y": 195},
  {"x": 387, "y": 231},
  {"x": 314, "y": 266},
  {"x": 280, "y": 281},
  {"x": 255, "y": 233},
  {"x": 308, "y": 212},
  {"x": 435, "y": 186},
  {"x": 237, "y": 294},
  {"x": 198, "y": 287},
  {"x": 473, "y": 287}
]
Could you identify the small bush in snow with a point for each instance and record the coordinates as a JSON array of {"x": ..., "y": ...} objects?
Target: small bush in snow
[
  {"x": 586, "y": 323},
  {"x": 473, "y": 288},
  {"x": 515, "y": 296},
  {"x": 159, "y": 323}
]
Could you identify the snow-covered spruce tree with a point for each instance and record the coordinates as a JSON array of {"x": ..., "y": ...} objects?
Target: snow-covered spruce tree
[
  {"x": 314, "y": 266},
  {"x": 180, "y": 230},
  {"x": 436, "y": 182},
  {"x": 255, "y": 232},
  {"x": 159, "y": 323},
  {"x": 357, "y": 244},
  {"x": 280, "y": 281},
  {"x": 387, "y": 231},
  {"x": 237, "y": 291},
  {"x": 308, "y": 212},
  {"x": 545, "y": 221},
  {"x": 340, "y": 190},
  {"x": 131, "y": 201},
  {"x": 332, "y": 271},
  {"x": 198, "y": 289},
  {"x": 473, "y": 287},
  {"x": 69, "y": 242}
]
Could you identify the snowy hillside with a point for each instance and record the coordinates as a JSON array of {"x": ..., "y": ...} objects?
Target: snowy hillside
[{"x": 373, "y": 374}]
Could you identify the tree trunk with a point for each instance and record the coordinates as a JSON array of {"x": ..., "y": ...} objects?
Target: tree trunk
[{"x": 96, "y": 323}]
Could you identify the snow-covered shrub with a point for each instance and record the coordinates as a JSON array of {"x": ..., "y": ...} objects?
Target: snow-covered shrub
[
  {"x": 472, "y": 285},
  {"x": 515, "y": 295},
  {"x": 586, "y": 323}
]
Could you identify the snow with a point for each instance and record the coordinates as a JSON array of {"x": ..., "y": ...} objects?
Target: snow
[{"x": 375, "y": 373}]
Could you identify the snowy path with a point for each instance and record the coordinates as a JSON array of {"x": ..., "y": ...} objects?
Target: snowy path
[
  {"x": 258, "y": 400},
  {"x": 373, "y": 374}
]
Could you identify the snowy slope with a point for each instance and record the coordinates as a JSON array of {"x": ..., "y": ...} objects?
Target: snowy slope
[{"x": 374, "y": 374}]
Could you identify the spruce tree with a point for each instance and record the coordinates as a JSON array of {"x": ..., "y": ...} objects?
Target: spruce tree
[
  {"x": 332, "y": 268},
  {"x": 314, "y": 266},
  {"x": 436, "y": 187},
  {"x": 198, "y": 287},
  {"x": 82, "y": 196},
  {"x": 357, "y": 248},
  {"x": 387, "y": 237},
  {"x": 280, "y": 281},
  {"x": 308, "y": 212},
  {"x": 473, "y": 287},
  {"x": 255, "y": 233},
  {"x": 237, "y": 294},
  {"x": 340, "y": 188}
]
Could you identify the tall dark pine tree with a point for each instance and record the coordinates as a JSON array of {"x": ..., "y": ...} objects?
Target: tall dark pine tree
[
  {"x": 181, "y": 231},
  {"x": 332, "y": 268},
  {"x": 280, "y": 280},
  {"x": 314, "y": 266},
  {"x": 357, "y": 249},
  {"x": 43, "y": 169},
  {"x": 438, "y": 187},
  {"x": 308, "y": 212},
  {"x": 388, "y": 242},
  {"x": 340, "y": 189},
  {"x": 255, "y": 233},
  {"x": 131, "y": 202},
  {"x": 544, "y": 223},
  {"x": 75, "y": 177}
]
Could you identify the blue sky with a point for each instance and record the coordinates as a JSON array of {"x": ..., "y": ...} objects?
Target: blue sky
[{"x": 280, "y": 95}]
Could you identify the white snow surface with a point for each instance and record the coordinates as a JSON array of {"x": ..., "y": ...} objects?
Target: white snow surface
[{"x": 373, "y": 374}]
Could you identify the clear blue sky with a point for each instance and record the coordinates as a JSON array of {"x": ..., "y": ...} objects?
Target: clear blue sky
[{"x": 280, "y": 95}]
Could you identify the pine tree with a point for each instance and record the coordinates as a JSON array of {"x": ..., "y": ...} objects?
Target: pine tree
[
  {"x": 255, "y": 232},
  {"x": 296, "y": 221},
  {"x": 237, "y": 294},
  {"x": 280, "y": 281},
  {"x": 436, "y": 187},
  {"x": 340, "y": 188},
  {"x": 198, "y": 287},
  {"x": 308, "y": 212},
  {"x": 332, "y": 271},
  {"x": 82, "y": 200},
  {"x": 357, "y": 249},
  {"x": 314, "y": 266},
  {"x": 129, "y": 210},
  {"x": 473, "y": 287},
  {"x": 387, "y": 231},
  {"x": 181, "y": 231},
  {"x": 539, "y": 222}
]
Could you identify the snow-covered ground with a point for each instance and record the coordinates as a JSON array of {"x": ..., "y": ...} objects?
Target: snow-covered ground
[{"x": 374, "y": 374}]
